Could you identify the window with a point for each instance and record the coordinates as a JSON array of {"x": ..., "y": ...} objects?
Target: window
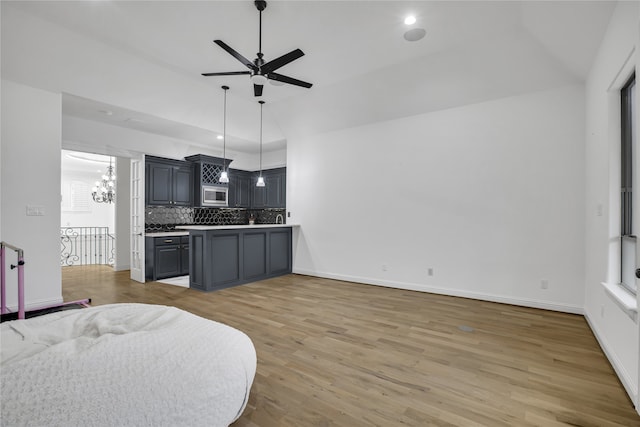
[
  {"x": 628, "y": 239},
  {"x": 75, "y": 196}
]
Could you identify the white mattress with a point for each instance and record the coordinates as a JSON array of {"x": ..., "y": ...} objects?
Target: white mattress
[{"x": 123, "y": 365}]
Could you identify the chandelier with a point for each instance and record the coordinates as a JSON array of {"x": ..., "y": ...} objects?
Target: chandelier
[{"x": 105, "y": 191}]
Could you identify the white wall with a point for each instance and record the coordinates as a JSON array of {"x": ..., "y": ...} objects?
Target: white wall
[
  {"x": 95, "y": 214},
  {"x": 618, "y": 333},
  {"x": 90, "y": 136},
  {"x": 488, "y": 195},
  {"x": 31, "y": 144}
]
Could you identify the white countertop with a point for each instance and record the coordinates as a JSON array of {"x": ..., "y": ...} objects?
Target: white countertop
[
  {"x": 183, "y": 230},
  {"x": 231, "y": 227}
]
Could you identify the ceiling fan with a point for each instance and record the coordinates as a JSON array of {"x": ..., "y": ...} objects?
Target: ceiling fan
[{"x": 259, "y": 70}]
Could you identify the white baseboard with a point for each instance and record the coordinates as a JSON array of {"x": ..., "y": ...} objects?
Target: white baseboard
[
  {"x": 564, "y": 308},
  {"x": 626, "y": 380},
  {"x": 121, "y": 267}
]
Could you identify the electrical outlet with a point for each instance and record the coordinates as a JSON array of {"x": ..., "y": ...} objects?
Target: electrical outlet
[
  {"x": 385, "y": 267},
  {"x": 544, "y": 284},
  {"x": 430, "y": 271}
]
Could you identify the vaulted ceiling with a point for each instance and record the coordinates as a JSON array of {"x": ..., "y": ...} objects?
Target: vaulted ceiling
[{"x": 141, "y": 61}]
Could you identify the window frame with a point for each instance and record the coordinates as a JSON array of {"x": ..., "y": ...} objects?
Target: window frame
[{"x": 628, "y": 241}]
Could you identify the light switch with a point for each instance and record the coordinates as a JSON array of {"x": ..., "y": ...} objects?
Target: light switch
[{"x": 35, "y": 210}]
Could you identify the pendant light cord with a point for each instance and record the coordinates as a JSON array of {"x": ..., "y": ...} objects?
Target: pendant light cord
[
  {"x": 224, "y": 133},
  {"x": 224, "y": 130},
  {"x": 261, "y": 104}
]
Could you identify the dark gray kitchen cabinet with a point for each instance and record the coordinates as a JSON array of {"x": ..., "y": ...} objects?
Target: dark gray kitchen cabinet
[
  {"x": 258, "y": 194},
  {"x": 277, "y": 189},
  {"x": 222, "y": 258},
  {"x": 239, "y": 189},
  {"x": 206, "y": 172},
  {"x": 184, "y": 256},
  {"x": 183, "y": 186},
  {"x": 168, "y": 182},
  {"x": 167, "y": 261},
  {"x": 166, "y": 257},
  {"x": 274, "y": 193}
]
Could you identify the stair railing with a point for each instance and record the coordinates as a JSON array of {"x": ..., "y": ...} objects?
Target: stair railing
[{"x": 86, "y": 246}]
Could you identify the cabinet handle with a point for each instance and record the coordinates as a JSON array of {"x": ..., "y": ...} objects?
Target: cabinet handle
[{"x": 169, "y": 241}]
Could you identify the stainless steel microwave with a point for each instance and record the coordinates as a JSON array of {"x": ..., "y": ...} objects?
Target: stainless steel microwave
[{"x": 215, "y": 196}]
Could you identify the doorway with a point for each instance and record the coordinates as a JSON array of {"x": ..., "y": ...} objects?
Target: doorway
[{"x": 91, "y": 224}]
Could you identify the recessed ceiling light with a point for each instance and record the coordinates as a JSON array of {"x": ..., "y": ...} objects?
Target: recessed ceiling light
[
  {"x": 415, "y": 34},
  {"x": 410, "y": 20},
  {"x": 220, "y": 137},
  {"x": 106, "y": 112}
]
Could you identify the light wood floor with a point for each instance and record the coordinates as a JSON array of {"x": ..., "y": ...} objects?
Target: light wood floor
[{"x": 333, "y": 353}]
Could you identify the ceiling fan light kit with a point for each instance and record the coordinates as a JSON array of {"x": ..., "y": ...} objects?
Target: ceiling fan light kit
[
  {"x": 258, "y": 79},
  {"x": 259, "y": 70}
]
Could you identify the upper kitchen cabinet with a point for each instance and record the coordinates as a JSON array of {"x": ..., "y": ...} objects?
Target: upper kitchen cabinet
[
  {"x": 274, "y": 193},
  {"x": 239, "y": 189},
  {"x": 168, "y": 182},
  {"x": 207, "y": 171}
]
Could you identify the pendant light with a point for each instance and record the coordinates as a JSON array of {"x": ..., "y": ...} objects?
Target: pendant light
[
  {"x": 260, "y": 182},
  {"x": 224, "y": 176}
]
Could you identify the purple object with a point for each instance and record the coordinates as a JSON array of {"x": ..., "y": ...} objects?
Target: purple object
[
  {"x": 20, "y": 285},
  {"x": 3, "y": 305},
  {"x": 20, "y": 266},
  {"x": 3, "y": 278}
]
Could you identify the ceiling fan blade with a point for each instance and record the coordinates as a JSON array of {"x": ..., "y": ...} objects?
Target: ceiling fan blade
[
  {"x": 289, "y": 80},
  {"x": 281, "y": 61},
  {"x": 257, "y": 90},
  {"x": 235, "y": 54},
  {"x": 230, "y": 73}
]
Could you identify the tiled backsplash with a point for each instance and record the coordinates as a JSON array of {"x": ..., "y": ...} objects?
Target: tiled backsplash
[
  {"x": 268, "y": 216},
  {"x": 217, "y": 216},
  {"x": 158, "y": 217},
  {"x": 163, "y": 218}
]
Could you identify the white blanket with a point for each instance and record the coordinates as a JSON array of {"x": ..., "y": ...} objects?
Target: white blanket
[{"x": 123, "y": 365}]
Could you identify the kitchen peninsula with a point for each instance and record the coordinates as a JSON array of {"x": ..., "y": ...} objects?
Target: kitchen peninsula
[{"x": 222, "y": 256}]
